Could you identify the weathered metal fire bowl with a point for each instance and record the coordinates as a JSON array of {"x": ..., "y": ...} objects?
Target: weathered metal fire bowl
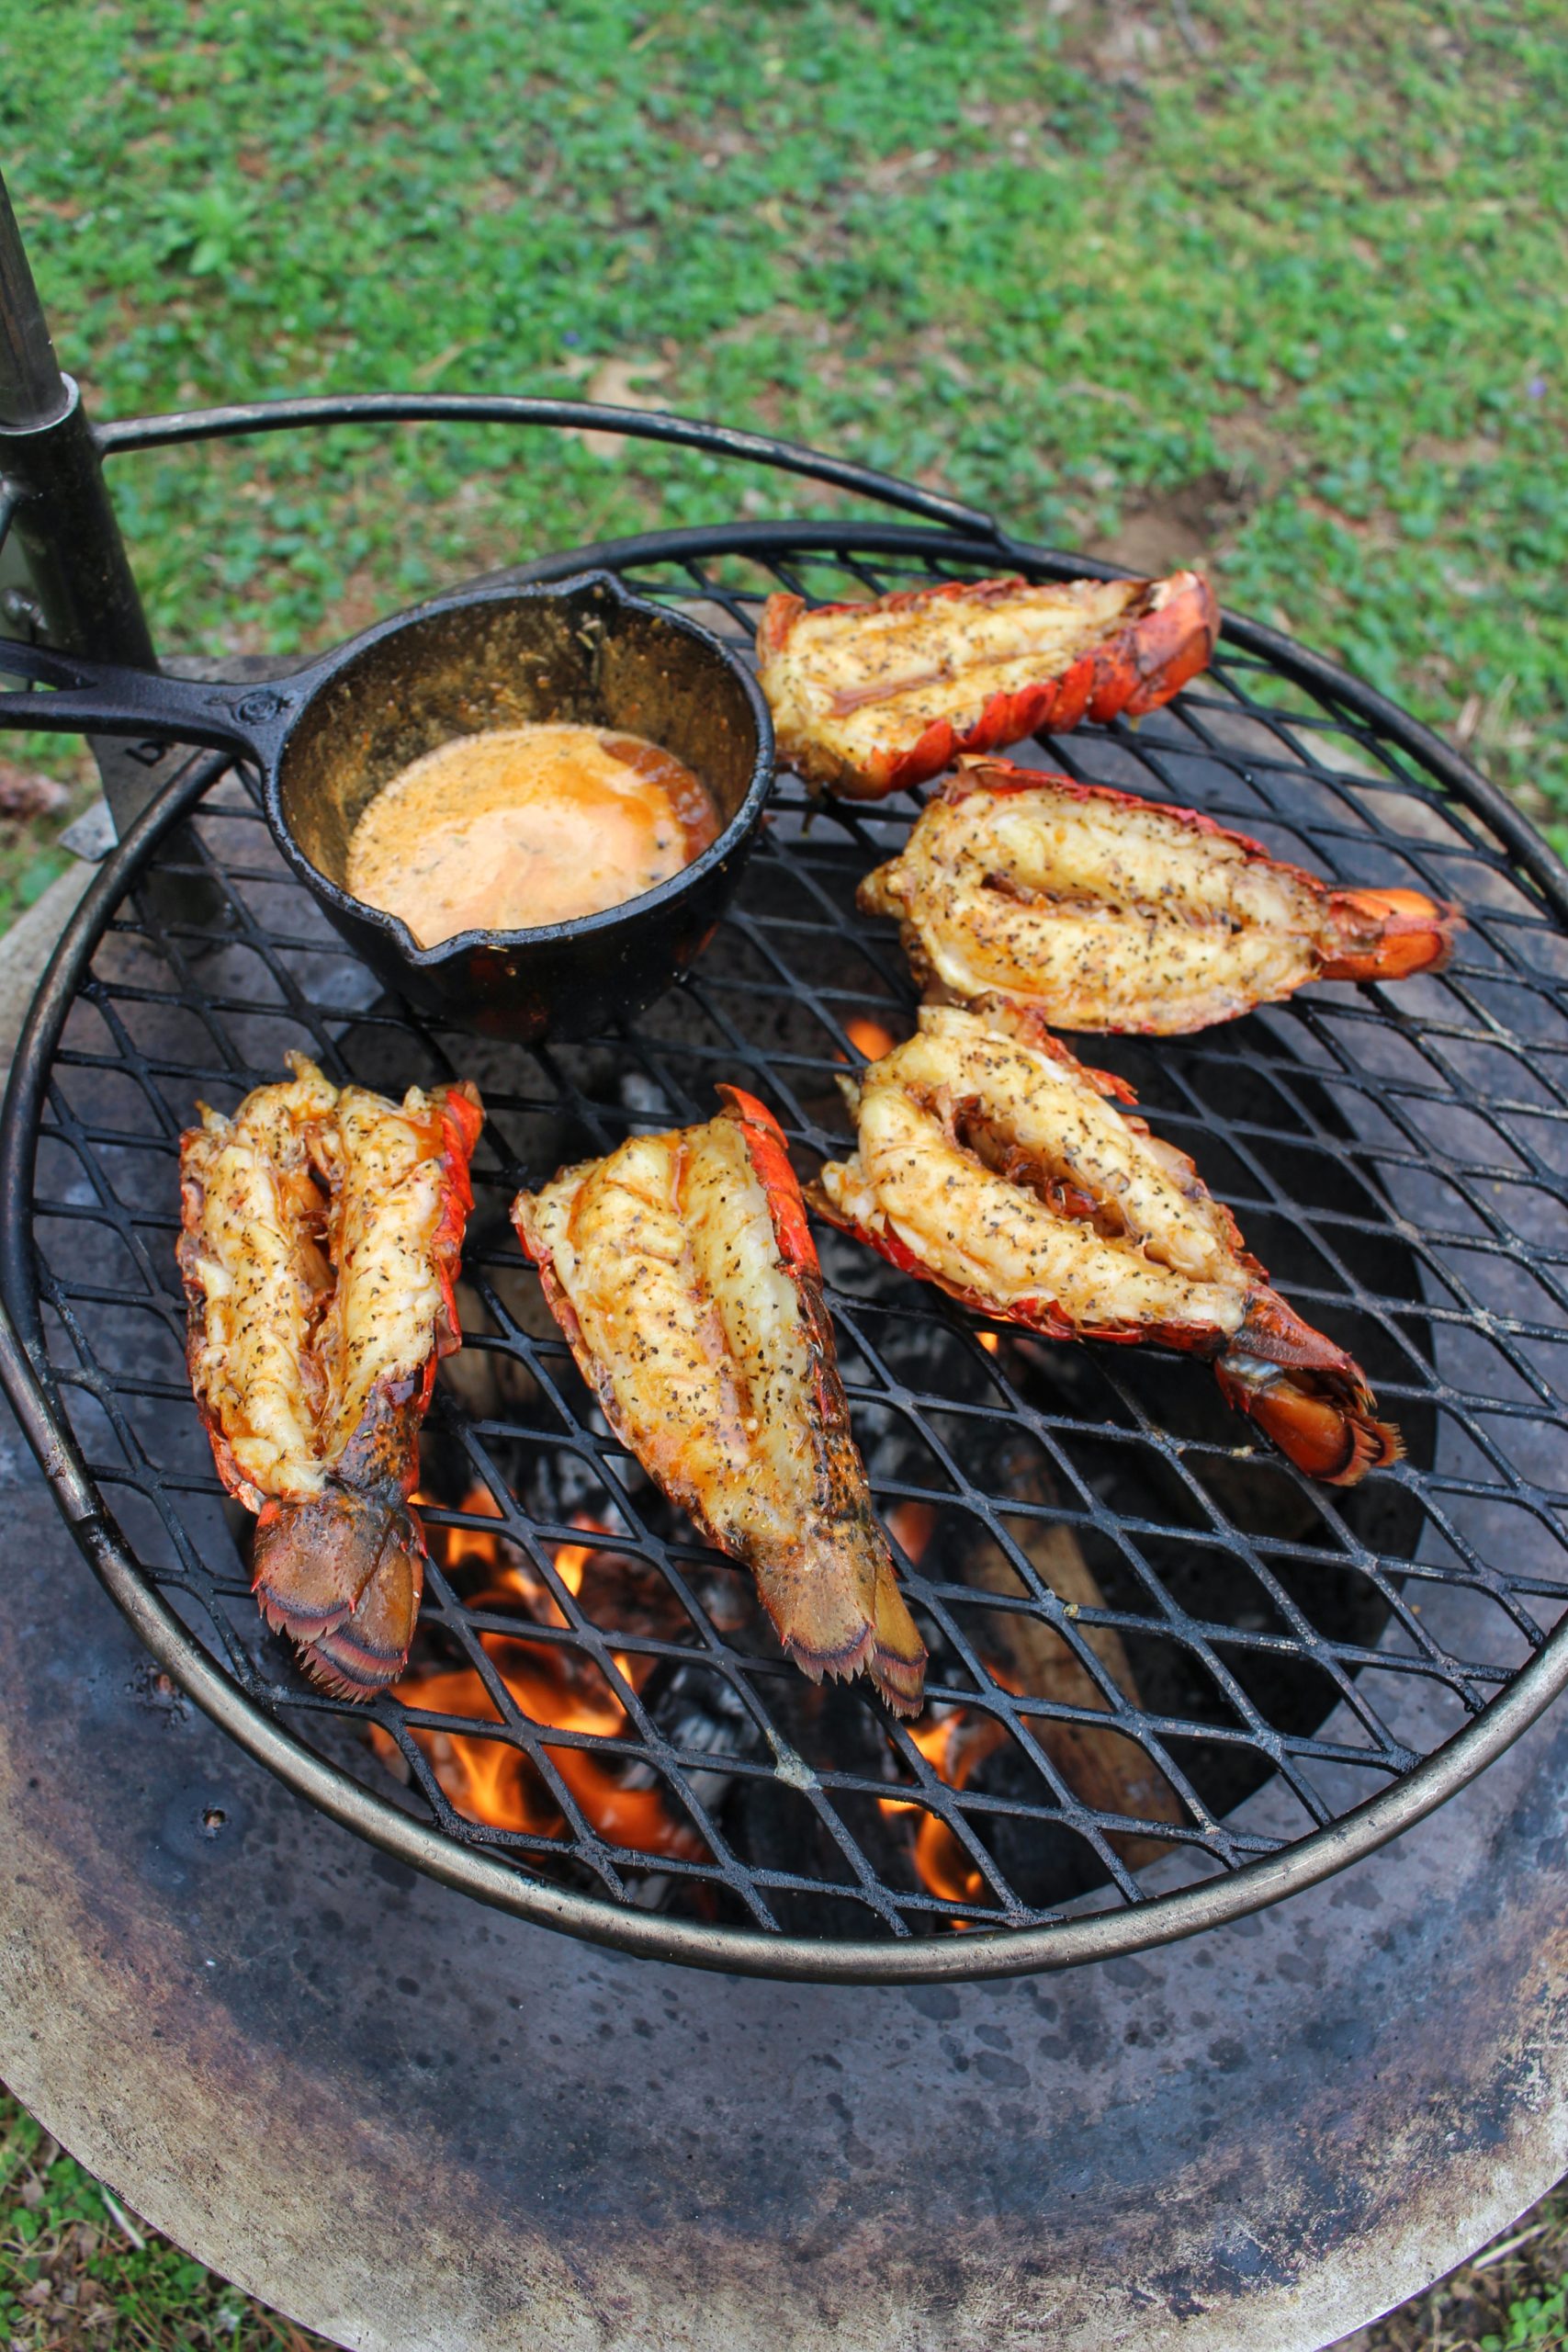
[{"x": 421, "y": 2127}]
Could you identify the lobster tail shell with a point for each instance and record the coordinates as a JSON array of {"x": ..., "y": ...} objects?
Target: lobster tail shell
[
  {"x": 823, "y": 1627},
  {"x": 338, "y": 1557},
  {"x": 1153, "y": 659},
  {"x": 782, "y": 1488},
  {"x": 1309, "y": 1396},
  {"x": 897, "y": 1663},
  {"x": 1325, "y": 1426},
  {"x": 986, "y": 1148},
  {"x": 1389, "y": 934},
  {"x": 1166, "y": 635},
  {"x": 341, "y": 1574}
]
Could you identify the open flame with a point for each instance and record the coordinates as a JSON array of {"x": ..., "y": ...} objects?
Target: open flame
[
  {"x": 572, "y": 1559},
  {"x": 1105, "y": 1769},
  {"x": 488, "y": 1780},
  {"x": 953, "y": 1742},
  {"x": 562, "y": 1689},
  {"x": 456, "y": 1544}
]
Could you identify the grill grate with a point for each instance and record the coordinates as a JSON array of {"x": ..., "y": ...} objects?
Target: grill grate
[{"x": 1159, "y": 1655}]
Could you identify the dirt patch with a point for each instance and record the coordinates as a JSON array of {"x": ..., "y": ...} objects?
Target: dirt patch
[
  {"x": 1257, "y": 451},
  {"x": 1189, "y": 525},
  {"x": 25, "y": 793}
]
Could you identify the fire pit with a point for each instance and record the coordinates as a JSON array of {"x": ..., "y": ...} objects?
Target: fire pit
[
  {"x": 414, "y": 2124},
  {"x": 1172, "y": 1682}
]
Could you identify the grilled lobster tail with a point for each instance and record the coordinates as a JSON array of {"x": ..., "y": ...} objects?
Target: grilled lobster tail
[
  {"x": 1105, "y": 911},
  {"x": 320, "y": 1238},
  {"x": 682, "y": 1274},
  {"x": 994, "y": 1164},
  {"x": 342, "y": 1576},
  {"x": 868, "y": 698},
  {"x": 895, "y": 1658}
]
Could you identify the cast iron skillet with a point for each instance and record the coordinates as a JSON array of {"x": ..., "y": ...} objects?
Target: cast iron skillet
[{"x": 326, "y": 737}]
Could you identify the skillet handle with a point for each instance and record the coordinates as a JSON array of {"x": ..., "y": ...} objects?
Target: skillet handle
[{"x": 105, "y": 698}]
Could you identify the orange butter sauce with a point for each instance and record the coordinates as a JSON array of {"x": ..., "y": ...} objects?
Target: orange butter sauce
[{"x": 522, "y": 826}]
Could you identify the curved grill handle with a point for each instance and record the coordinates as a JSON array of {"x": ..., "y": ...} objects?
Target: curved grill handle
[{"x": 317, "y": 411}]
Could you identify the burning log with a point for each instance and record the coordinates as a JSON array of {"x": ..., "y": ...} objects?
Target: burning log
[{"x": 1105, "y": 1769}]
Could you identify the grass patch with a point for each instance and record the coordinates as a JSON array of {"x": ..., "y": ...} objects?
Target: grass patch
[
  {"x": 53, "y": 780},
  {"x": 77, "y": 2271},
  {"x": 1510, "y": 2298},
  {"x": 1280, "y": 288}
]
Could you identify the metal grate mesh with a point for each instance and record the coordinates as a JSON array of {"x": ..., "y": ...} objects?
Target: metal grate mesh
[{"x": 1158, "y": 1652}]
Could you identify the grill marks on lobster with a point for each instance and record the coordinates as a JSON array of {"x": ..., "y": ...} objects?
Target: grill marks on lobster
[
  {"x": 993, "y": 1163},
  {"x": 320, "y": 1232},
  {"x": 867, "y": 697},
  {"x": 1104, "y": 912},
  {"x": 682, "y": 1274}
]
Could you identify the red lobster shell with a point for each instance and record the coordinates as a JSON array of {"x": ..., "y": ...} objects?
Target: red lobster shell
[
  {"x": 868, "y": 698},
  {"x": 993, "y": 1163},
  {"x": 682, "y": 1270}
]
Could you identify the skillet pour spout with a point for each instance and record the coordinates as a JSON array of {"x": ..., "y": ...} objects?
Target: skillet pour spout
[{"x": 328, "y": 737}]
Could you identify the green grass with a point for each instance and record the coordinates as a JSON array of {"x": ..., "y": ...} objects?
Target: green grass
[
  {"x": 77, "y": 2271},
  {"x": 1283, "y": 287},
  {"x": 1287, "y": 284}
]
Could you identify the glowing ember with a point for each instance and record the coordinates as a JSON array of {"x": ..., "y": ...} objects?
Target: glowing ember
[
  {"x": 474, "y": 1543},
  {"x": 490, "y": 1782},
  {"x": 931, "y": 1738},
  {"x": 572, "y": 1559},
  {"x": 954, "y": 1744},
  {"x": 910, "y": 1524},
  {"x": 988, "y": 1340},
  {"x": 872, "y": 1039}
]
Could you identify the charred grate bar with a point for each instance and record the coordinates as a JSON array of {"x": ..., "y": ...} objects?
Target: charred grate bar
[{"x": 1170, "y": 1677}]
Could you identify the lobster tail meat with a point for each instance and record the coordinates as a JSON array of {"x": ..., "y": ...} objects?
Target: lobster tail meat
[
  {"x": 682, "y": 1272},
  {"x": 993, "y": 1163},
  {"x": 867, "y": 697},
  {"x": 321, "y": 1236},
  {"x": 1105, "y": 911}
]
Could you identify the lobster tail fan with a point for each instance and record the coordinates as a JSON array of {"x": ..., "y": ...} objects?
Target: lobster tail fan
[{"x": 341, "y": 1574}]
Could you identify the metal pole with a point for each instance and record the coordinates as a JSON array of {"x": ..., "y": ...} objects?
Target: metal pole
[
  {"x": 32, "y": 389},
  {"x": 82, "y": 582}
]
